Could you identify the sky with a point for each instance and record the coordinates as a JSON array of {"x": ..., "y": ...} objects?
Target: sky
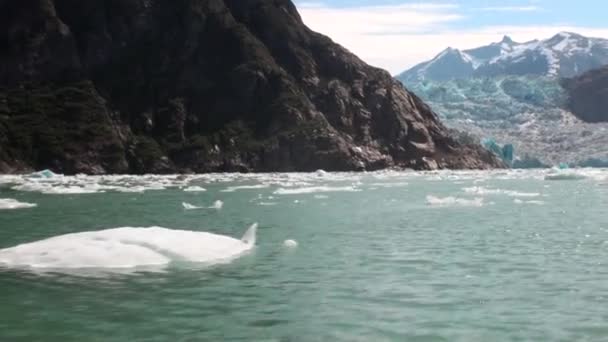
[{"x": 398, "y": 34}]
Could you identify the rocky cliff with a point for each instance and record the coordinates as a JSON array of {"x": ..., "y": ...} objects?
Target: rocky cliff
[
  {"x": 588, "y": 95},
  {"x": 117, "y": 86}
]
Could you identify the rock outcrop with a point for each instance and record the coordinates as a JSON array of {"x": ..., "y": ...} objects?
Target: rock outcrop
[
  {"x": 157, "y": 86},
  {"x": 588, "y": 95}
]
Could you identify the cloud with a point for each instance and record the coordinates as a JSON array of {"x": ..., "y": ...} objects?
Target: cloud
[
  {"x": 510, "y": 9},
  {"x": 385, "y": 19},
  {"x": 396, "y": 37}
]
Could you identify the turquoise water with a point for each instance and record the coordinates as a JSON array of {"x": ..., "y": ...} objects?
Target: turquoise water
[{"x": 509, "y": 257}]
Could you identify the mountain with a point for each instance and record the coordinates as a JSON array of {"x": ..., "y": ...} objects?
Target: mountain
[
  {"x": 588, "y": 95},
  {"x": 159, "y": 86},
  {"x": 564, "y": 55},
  {"x": 515, "y": 94}
]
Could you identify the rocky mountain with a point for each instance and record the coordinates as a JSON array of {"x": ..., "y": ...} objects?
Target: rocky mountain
[
  {"x": 116, "y": 86},
  {"x": 588, "y": 95},
  {"x": 563, "y": 55}
]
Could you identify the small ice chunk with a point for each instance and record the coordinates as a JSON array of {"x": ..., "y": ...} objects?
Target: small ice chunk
[
  {"x": 43, "y": 174},
  {"x": 189, "y": 206},
  {"x": 308, "y": 190},
  {"x": 195, "y": 189},
  {"x": 290, "y": 243},
  {"x": 216, "y": 205},
  {"x": 245, "y": 187},
  {"x": 453, "y": 201}
]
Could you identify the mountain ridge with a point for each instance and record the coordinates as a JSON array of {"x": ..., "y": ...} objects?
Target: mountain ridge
[
  {"x": 566, "y": 54},
  {"x": 159, "y": 86}
]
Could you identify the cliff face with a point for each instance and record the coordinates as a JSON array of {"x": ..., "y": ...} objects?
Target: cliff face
[
  {"x": 115, "y": 86},
  {"x": 588, "y": 95}
]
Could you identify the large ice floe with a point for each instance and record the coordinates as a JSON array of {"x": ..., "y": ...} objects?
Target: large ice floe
[{"x": 126, "y": 248}]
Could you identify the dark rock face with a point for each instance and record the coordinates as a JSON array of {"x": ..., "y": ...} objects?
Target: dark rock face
[
  {"x": 588, "y": 95},
  {"x": 115, "y": 86}
]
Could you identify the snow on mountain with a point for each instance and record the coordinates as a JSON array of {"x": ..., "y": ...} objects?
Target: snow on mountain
[{"x": 563, "y": 55}]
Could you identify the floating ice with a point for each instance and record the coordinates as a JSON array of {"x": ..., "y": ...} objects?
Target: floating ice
[
  {"x": 43, "y": 174},
  {"x": 216, "y": 205},
  {"x": 313, "y": 189},
  {"x": 518, "y": 201},
  {"x": 453, "y": 201},
  {"x": 245, "y": 187},
  {"x": 189, "y": 206},
  {"x": 557, "y": 175},
  {"x": 390, "y": 185},
  {"x": 195, "y": 189},
  {"x": 127, "y": 247},
  {"x": 290, "y": 243},
  {"x": 268, "y": 204},
  {"x": 9, "y": 203},
  {"x": 477, "y": 190}
]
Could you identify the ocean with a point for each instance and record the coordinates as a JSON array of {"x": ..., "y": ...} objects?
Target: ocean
[{"x": 506, "y": 255}]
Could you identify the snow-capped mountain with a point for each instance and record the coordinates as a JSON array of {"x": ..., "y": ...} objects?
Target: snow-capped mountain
[
  {"x": 563, "y": 55},
  {"x": 513, "y": 93}
]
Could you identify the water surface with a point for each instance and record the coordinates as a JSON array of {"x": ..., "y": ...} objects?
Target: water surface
[{"x": 446, "y": 256}]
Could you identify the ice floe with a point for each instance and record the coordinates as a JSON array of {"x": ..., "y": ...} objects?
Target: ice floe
[
  {"x": 290, "y": 243},
  {"x": 518, "y": 201},
  {"x": 216, "y": 205},
  {"x": 10, "y": 203},
  {"x": 454, "y": 201},
  {"x": 268, "y": 204},
  {"x": 315, "y": 189},
  {"x": 477, "y": 190},
  {"x": 245, "y": 187},
  {"x": 195, "y": 189},
  {"x": 127, "y": 247}
]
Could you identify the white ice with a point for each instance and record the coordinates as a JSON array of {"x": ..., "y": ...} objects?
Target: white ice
[
  {"x": 127, "y": 247},
  {"x": 9, "y": 203},
  {"x": 216, "y": 205},
  {"x": 453, "y": 201},
  {"x": 315, "y": 189},
  {"x": 195, "y": 189}
]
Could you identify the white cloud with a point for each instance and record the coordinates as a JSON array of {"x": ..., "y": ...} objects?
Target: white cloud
[
  {"x": 384, "y": 19},
  {"x": 510, "y": 9},
  {"x": 398, "y": 37}
]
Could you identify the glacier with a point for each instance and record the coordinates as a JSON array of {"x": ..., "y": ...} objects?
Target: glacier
[{"x": 526, "y": 112}]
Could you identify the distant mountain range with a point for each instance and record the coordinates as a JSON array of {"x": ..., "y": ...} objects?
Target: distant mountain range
[
  {"x": 539, "y": 96},
  {"x": 563, "y": 55}
]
